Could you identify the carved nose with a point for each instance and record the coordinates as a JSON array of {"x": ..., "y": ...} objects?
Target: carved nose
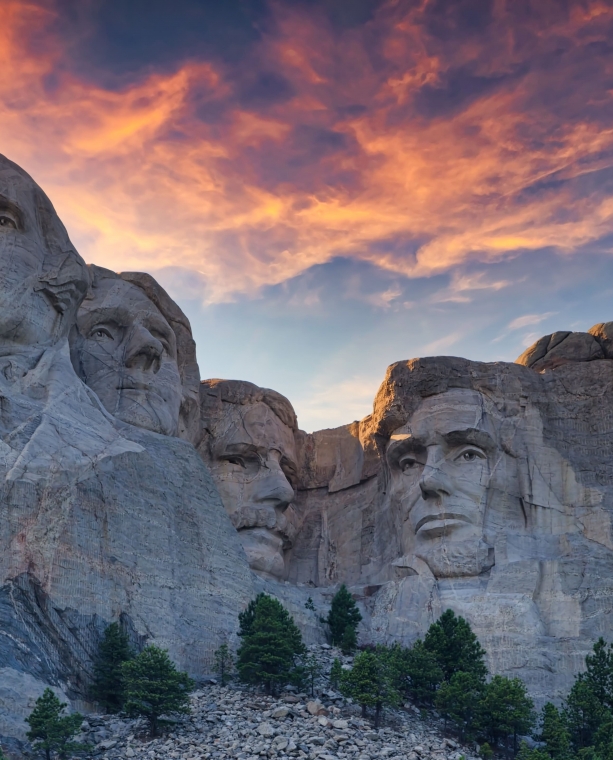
[
  {"x": 434, "y": 483},
  {"x": 274, "y": 488},
  {"x": 143, "y": 351}
]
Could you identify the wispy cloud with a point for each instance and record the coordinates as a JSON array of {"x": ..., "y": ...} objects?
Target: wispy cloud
[
  {"x": 529, "y": 319},
  {"x": 404, "y": 127}
]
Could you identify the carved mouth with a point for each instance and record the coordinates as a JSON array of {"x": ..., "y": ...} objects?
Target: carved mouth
[{"x": 441, "y": 517}]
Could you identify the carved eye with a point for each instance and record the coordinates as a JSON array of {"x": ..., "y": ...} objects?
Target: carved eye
[
  {"x": 7, "y": 223},
  {"x": 470, "y": 455},
  {"x": 101, "y": 334},
  {"x": 408, "y": 464},
  {"x": 236, "y": 460}
]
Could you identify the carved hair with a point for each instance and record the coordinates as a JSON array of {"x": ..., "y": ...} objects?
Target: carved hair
[{"x": 213, "y": 393}]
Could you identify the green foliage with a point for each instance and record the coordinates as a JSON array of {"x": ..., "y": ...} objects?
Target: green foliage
[
  {"x": 455, "y": 647},
  {"x": 50, "y": 730},
  {"x": 343, "y": 613},
  {"x": 113, "y": 651},
  {"x": 458, "y": 700},
  {"x": 2, "y": 755},
  {"x": 486, "y": 751},
  {"x": 371, "y": 682},
  {"x": 154, "y": 687},
  {"x": 554, "y": 734},
  {"x": 525, "y": 753},
  {"x": 349, "y": 641},
  {"x": 583, "y": 713},
  {"x": 224, "y": 663},
  {"x": 309, "y": 604},
  {"x": 423, "y": 673},
  {"x": 307, "y": 672},
  {"x": 336, "y": 673},
  {"x": 599, "y": 672},
  {"x": 271, "y": 643},
  {"x": 506, "y": 708}
]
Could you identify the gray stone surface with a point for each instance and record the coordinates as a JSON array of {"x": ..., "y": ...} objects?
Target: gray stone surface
[{"x": 101, "y": 519}]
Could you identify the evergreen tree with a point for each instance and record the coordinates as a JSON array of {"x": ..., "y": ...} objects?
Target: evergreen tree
[
  {"x": 50, "y": 730},
  {"x": 371, "y": 683},
  {"x": 458, "y": 700},
  {"x": 599, "y": 672},
  {"x": 603, "y": 739},
  {"x": 154, "y": 687},
  {"x": 525, "y": 753},
  {"x": 506, "y": 709},
  {"x": 455, "y": 647},
  {"x": 308, "y": 672},
  {"x": 343, "y": 613},
  {"x": 583, "y": 713},
  {"x": 113, "y": 651},
  {"x": 554, "y": 734},
  {"x": 2, "y": 755},
  {"x": 271, "y": 643},
  {"x": 224, "y": 663},
  {"x": 336, "y": 673},
  {"x": 423, "y": 673},
  {"x": 349, "y": 641}
]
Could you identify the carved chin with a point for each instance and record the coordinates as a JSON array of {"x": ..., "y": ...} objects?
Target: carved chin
[
  {"x": 264, "y": 550},
  {"x": 147, "y": 411},
  {"x": 455, "y": 559}
]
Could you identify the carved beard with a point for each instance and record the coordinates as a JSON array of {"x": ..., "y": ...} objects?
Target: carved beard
[{"x": 458, "y": 558}]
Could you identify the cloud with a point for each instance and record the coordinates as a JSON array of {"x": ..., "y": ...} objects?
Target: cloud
[
  {"x": 327, "y": 140},
  {"x": 529, "y": 319}
]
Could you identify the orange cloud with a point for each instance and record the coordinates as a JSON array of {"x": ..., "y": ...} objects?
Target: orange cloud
[{"x": 464, "y": 145}]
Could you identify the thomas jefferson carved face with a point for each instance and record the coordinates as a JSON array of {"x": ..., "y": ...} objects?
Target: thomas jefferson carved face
[
  {"x": 128, "y": 356},
  {"x": 440, "y": 473},
  {"x": 253, "y": 459}
]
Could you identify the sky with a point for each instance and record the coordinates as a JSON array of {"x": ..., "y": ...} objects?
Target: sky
[{"x": 328, "y": 186}]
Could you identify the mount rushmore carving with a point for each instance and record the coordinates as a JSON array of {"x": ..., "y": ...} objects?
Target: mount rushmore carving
[{"x": 133, "y": 491}]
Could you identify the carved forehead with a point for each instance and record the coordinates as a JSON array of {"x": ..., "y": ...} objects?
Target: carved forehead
[
  {"x": 457, "y": 409},
  {"x": 254, "y": 425},
  {"x": 115, "y": 297}
]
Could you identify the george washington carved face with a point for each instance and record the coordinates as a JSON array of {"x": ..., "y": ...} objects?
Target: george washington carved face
[{"x": 128, "y": 356}]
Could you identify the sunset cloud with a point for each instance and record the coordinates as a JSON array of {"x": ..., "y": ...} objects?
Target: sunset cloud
[{"x": 416, "y": 141}]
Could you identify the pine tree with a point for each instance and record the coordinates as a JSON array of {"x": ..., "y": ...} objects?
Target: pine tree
[
  {"x": 113, "y": 651},
  {"x": 343, "y": 613},
  {"x": 2, "y": 755},
  {"x": 583, "y": 713},
  {"x": 458, "y": 700},
  {"x": 309, "y": 671},
  {"x": 506, "y": 709},
  {"x": 336, "y": 672},
  {"x": 455, "y": 647},
  {"x": 349, "y": 641},
  {"x": 371, "y": 683},
  {"x": 50, "y": 730},
  {"x": 554, "y": 733},
  {"x": 271, "y": 643},
  {"x": 423, "y": 673},
  {"x": 603, "y": 739},
  {"x": 599, "y": 672},
  {"x": 224, "y": 663},
  {"x": 154, "y": 687},
  {"x": 525, "y": 753}
]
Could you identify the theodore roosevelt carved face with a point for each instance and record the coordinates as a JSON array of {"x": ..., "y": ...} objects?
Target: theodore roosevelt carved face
[
  {"x": 252, "y": 456},
  {"x": 128, "y": 355}
]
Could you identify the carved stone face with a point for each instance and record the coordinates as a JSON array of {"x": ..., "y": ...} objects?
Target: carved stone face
[
  {"x": 27, "y": 315},
  {"x": 440, "y": 474},
  {"x": 128, "y": 356},
  {"x": 253, "y": 460}
]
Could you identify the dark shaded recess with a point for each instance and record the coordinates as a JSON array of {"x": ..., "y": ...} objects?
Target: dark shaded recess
[
  {"x": 459, "y": 88},
  {"x": 109, "y": 39},
  {"x": 56, "y": 646},
  {"x": 455, "y": 19}
]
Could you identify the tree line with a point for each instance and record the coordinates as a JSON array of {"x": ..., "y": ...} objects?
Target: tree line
[{"x": 445, "y": 671}]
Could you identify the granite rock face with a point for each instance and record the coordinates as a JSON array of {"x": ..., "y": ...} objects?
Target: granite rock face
[{"x": 102, "y": 520}]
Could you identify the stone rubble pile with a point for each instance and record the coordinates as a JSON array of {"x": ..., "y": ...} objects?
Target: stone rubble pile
[{"x": 243, "y": 724}]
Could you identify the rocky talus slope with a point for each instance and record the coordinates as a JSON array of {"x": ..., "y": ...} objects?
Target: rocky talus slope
[{"x": 240, "y": 723}]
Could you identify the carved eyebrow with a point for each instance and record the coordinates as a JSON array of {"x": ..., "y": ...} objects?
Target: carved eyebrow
[
  {"x": 470, "y": 435},
  {"x": 10, "y": 208}
]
